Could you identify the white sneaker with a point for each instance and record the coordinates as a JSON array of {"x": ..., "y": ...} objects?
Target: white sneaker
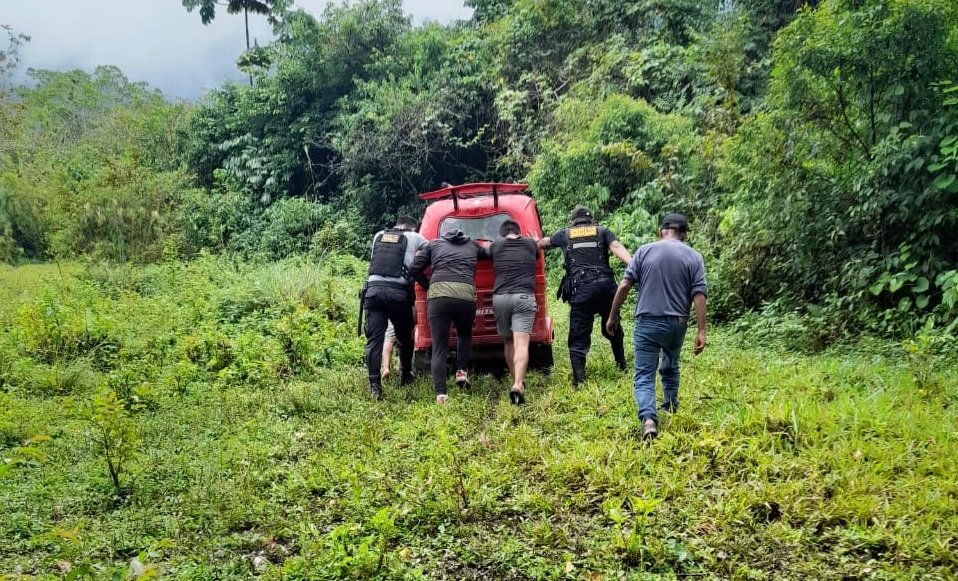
[{"x": 442, "y": 398}]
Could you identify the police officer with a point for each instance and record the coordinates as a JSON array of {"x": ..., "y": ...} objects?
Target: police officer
[
  {"x": 588, "y": 285},
  {"x": 388, "y": 296}
]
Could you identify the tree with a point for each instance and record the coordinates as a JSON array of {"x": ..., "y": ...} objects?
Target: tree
[
  {"x": 10, "y": 56},
  {"x": 9, "y": 59},
  {"x": 208, "y": 11},
  {"x": 832, "y": 177}
]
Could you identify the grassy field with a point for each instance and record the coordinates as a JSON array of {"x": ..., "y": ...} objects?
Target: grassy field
[{"x": 230, "y": 403}]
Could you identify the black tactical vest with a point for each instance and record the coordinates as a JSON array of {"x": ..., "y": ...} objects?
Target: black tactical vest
[
  {"x": 389, "y": 254},
  {"x": 585, "y": 251}
]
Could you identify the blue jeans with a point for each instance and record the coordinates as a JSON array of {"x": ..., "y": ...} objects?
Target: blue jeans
[{"x": 658, "y": 343}]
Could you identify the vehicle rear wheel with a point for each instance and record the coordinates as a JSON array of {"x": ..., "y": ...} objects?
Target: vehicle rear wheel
[{"x": 540, "y": 357}]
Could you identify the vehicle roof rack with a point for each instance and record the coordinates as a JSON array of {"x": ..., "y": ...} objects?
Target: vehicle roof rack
[{"x": 473, "y": 190}]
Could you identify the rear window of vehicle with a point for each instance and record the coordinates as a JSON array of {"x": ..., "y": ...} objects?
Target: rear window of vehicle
[{"x": 481, "y": 228}]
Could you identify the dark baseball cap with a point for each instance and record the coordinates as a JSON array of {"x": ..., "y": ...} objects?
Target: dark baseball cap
[
  {"x": 580, "y": 213},
  {"x": 677, "y": 222}
]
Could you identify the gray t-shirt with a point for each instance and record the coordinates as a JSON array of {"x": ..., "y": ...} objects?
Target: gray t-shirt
[
  {"x": 668, "y": 273},
  {"x": 414, "y": 241}
]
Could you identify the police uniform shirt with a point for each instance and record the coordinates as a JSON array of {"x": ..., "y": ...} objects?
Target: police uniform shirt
[
  {"x": 414, "y": 242},
  {"x": 561, "y": 237}
]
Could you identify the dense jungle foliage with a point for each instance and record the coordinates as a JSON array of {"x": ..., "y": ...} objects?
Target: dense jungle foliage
[
  {"x": 813, "y": 144},
  {"x": 180, "y": 377}
]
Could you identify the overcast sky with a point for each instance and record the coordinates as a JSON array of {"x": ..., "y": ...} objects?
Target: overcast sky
[{"x": 156, "y": 41}]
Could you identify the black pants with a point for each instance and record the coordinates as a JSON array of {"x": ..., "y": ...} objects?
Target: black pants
[
  {"x": 461, "y": 313},
  {"x": 385, "y": 304},
  {"x": 581, "y": 317}
]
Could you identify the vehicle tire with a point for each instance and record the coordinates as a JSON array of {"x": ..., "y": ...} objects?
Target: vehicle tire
[
  {"x": 540, "y": 357},
  {"x": 422, "y": 361}
]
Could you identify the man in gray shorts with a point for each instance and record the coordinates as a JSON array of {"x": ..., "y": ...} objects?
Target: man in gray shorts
[{"x": 514, "y": 299}]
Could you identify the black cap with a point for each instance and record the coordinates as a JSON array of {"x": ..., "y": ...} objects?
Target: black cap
[
  {"x": 676, "y": 222},
  {"x": 580, "y": 213}
]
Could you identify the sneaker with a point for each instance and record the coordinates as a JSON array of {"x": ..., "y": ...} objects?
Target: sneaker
[
  {"x": 407, "y": 379},
  {"x": 669, "y": 407},
  {"x": 376, "y": 392},
  {"x": 516, "y": 396},
  {"x": 441, "y": 399},
  {"x": 462, "y": 380},
  {"x": 650, "y": 430},
  {"x": 622, "y": 365}
]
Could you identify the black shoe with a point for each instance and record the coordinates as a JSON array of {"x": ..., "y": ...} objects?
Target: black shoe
[
  {"x": 376, "y": 392},
  {"x": 622, "y": 365},
  {"x": 407, "y": 379},
  {"x": 650, "y": 430},
  {"x": 516, "y": 396}
]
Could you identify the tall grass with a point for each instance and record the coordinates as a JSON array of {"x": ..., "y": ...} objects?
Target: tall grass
[{"x": 247, "y": 463}]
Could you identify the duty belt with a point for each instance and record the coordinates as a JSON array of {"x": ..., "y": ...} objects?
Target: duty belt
[{"x": 389, "y": 284}]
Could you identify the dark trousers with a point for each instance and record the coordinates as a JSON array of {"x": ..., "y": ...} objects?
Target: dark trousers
[
  {"x": 581, "y": 317},
  {"x": 442, "y": 312},
  {"x": 384, "y": 304}
]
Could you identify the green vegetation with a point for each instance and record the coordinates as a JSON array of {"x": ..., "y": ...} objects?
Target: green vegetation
[
  {"x": 180, "y": 380},
  {"x": 812, "y": 143},
  {"x": 208, "y": 420}
]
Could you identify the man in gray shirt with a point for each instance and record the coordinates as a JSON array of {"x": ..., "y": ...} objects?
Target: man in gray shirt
[{"x": 670, "y": 275}]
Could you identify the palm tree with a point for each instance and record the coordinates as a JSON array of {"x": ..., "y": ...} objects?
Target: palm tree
[
  {"x": 247, "y": 6},
  {"x": 208, "y": 11}
]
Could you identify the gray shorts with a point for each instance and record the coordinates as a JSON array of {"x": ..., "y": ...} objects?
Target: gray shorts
[{"x": 515, "y": 313}]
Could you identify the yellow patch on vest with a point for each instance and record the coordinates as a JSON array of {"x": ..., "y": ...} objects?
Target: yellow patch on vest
[
  {"x": 390, "y": 238},
  {"x": 582, "y": 231}
]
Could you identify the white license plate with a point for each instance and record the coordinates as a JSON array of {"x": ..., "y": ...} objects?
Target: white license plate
[{"x": 484, "y": 311}]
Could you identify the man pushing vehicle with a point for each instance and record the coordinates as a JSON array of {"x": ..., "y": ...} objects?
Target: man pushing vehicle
[{"x": 588, "y": 285}]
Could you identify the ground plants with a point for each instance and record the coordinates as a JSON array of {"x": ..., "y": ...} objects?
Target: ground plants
[
  {"x": 112, "y": 435},
  {"x": 778, "y": 464}
]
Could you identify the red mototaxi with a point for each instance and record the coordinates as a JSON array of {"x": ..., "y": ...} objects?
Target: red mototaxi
[{"x": 478, "y": 209}]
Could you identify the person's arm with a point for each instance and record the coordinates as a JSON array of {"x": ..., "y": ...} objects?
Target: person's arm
[
  {"x": 419, "y": 264},
  {"x": 698, "y": 292},
  {"x": 620, "y": 252},
  {"x": 485, "y": 250},
  {"x": 547, "y": 242},
  {"x": 612, "y": 325},
  {"x": 698, "y": 301},
  {"x": 372, "y": 247}
]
